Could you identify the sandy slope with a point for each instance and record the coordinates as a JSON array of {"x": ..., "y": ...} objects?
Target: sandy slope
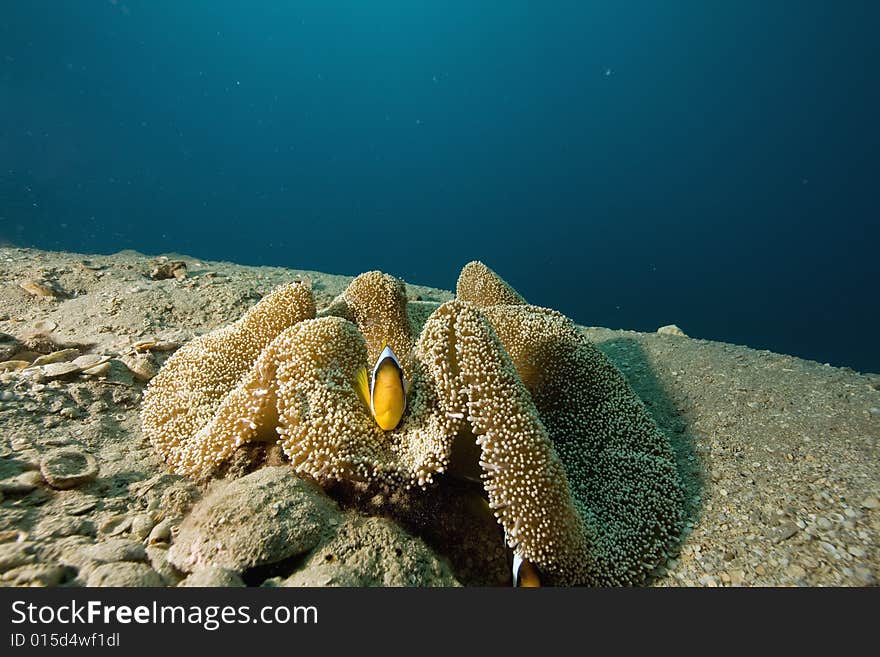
[{"x": 780, "y": 455}]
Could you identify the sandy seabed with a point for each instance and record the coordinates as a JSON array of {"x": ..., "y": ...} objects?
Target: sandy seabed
[{"x": 779, "y": 455}]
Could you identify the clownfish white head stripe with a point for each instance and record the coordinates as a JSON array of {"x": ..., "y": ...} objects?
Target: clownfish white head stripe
[{"x": 384, "y": 393}]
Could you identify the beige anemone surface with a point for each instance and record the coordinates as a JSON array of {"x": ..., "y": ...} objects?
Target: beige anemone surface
[{"x": 579, "y": 477}]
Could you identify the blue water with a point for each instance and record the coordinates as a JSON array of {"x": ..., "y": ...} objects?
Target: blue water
[{"x": 632, "y": 164}]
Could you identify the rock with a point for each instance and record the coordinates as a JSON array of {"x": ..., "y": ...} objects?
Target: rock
[
  {"x": 13, "y": 555},
  {"x": 116, "y": 549},
  {"x": 142, "y": 525},
  {"x": 14, "y": 365},
  {"x": 98, "y": 370},
  {"x": 40, "y": 288},
  {"x": 15, "y": 486},
  {"x": 370, "y": 551},
  {"x": 82, "y": 505},
  {"x": 213, "y": 576},
  {"x": 158, "y": 558},
  {"x": 143, "y": 366},
  {"x": 114, "y": 525},
  {"x": 60, "y": 526},
  {"x": 155, "y": 345},
  {"x": 871, "y": 503},
  {"x": 164, "y": 269},
  {"x": 160, "y": 534},
  {"x": 784, "y": 532},
  {"x": 796, "y": 572},
  {"x": 124, "y": 573},
  {"x": 38, "y": 575},
  {"x": 29, "y": 356},
  {"x": 671, "y": 329},
  {"x": 58, "y": 370},
  {"x": 88, "y": 361},
  {"x": 60, "y": 356},
  {"x": 864, "y": 576},
  {"x": 21, "y": 483},
  {"x": 267, "y": 516},
  {"x": 68, "y": 467},
  {"x": 8, "y": 346},
  {"x": 43, "y": 326}
]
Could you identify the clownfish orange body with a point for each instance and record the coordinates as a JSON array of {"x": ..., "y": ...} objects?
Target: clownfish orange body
[{"x": 384, "y": 393}]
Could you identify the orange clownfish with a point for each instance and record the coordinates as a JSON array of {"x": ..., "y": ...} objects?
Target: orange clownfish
[
  {"x": 384, "y": 393},
  {"x": 525, "y": 574}
]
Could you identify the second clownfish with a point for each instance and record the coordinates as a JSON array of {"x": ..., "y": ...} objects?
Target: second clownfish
[{"x": 384, "y": 393}]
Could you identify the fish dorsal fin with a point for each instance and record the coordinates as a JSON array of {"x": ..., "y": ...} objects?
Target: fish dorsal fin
[{"x": 362, "y": 386}]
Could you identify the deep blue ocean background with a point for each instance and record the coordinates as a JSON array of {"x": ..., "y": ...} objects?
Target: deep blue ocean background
[{"x": 632, "y": 164}]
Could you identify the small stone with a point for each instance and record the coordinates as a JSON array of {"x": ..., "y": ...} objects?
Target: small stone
[
  {"x": 32, "y": 477},
  {"x": 164, "y": 269},
  {"x": 829, "y": 548},
  {"x": 38, "y": 575},
  {"x": 864, "y": 576},
  {"x": 88, "y": 361},
  {"x": 12, "y": 535},
  {"x": 759, "y": 569},
  {"x": 671, "y": 329},
  {"x": 43, "y": 326},
  {"x": 708, "y": 580},
  {"x": 98, "y": 370},
  {"x": 158, "y": 559},
  {"x": 20, "y": 484},
  {"x": 69, "y": 413},
  {"x": 796, "y": 572},
  {"x": 141, "y": 525},
  {"x": 116, "y": 549},
  {"x": 29, "y": 356},
  {"x": 213, "y": 576},
  {"x": 13, "y": 555},
  {"x": 39, "y": 288},
  {"x": 83, "y": 506},
  {"x": 143, "y": 366},
  {"x": 160, "y": 534},
  {"x": 14, "y": 365},
  {"x": 856, "y": 551},
  {"x": 124, "y": 573},
  {"x": 68, "y": 467},
  {"x": 58, "y": 370},
  {"x": 61, "y": 526},
  {"x": 115, "y": 525},
  {"x": 60, "y": 356},
  {"x": 19, "y": 443},
  {"x": 785, "y": 531},
  {"x": 871, "y": 503}
]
